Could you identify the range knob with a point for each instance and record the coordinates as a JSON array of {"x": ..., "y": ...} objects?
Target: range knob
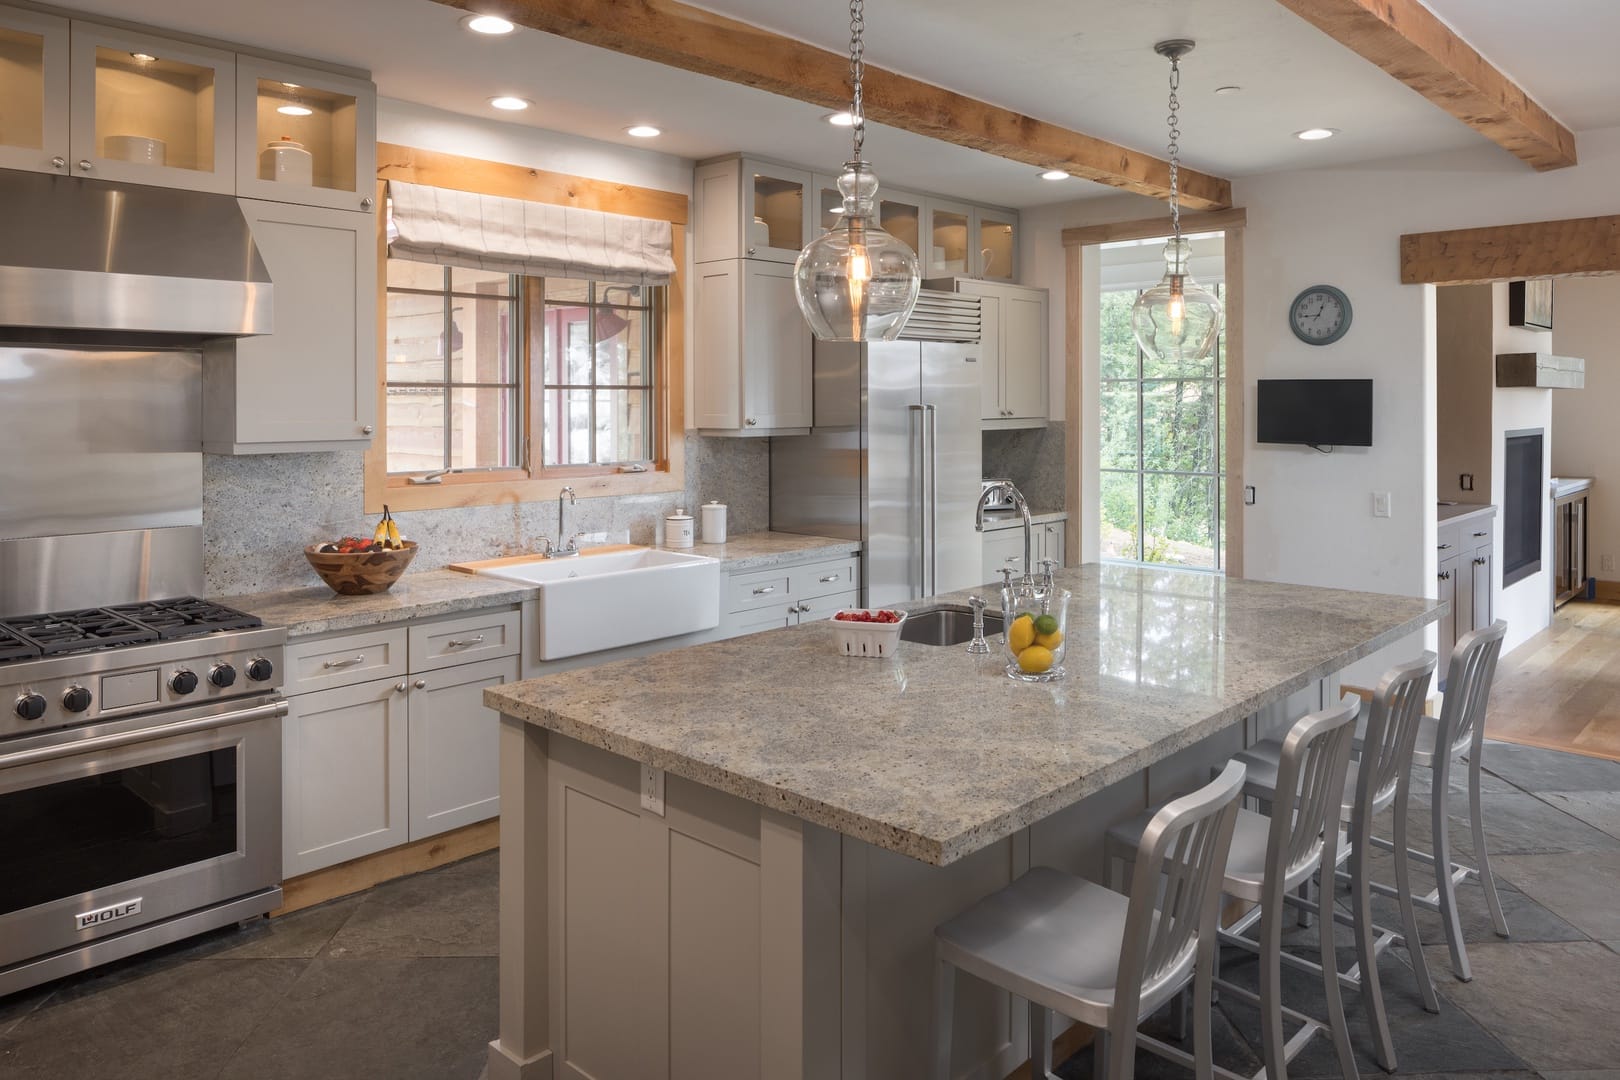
[
  {"x": 183, "y": 681},
  {"x": 30, "y": 706},
  {"x": 76, "y": 699},
  {"x": 221, "y": 675},
  {"x": 260, "y": 670}
]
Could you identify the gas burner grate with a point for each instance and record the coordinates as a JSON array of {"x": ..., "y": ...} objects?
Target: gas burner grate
[
  {"x": 13, "y": 647},
  {"x": 76, "y": 631},
  {"x": 186, "y": 617}
]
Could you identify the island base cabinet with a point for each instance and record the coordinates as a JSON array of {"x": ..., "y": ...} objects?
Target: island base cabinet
[{"x": 454, "y": 747}]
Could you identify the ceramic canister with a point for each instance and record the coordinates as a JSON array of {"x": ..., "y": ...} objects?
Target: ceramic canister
[
  {"x": 678, "y": 529},
  {"x": 287, "y": 161},
  {"x": 714, "y": 522}
]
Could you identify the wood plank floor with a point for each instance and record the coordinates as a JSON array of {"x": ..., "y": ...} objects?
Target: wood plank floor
[{"x": 1561, "y": 689}]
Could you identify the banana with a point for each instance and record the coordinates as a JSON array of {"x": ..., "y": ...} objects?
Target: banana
[
  {"x": 394, "y": 539},
  {"x": 380, "y": 535}
]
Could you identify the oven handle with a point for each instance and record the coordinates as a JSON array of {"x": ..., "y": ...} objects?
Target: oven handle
[{"x": 130, "y": 738}]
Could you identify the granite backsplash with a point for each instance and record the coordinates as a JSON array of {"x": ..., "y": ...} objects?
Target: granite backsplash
[
  {"x": 260, "y": 510},
  {"x": 1033, "y": 459}
]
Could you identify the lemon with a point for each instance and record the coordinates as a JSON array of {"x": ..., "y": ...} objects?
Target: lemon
[
  {"x": 1035, "y": 659},
  {"x": 1046, "y": 624},
  {"x": 1021, "y": 634},
  {"x": 1054, "y": 640}
]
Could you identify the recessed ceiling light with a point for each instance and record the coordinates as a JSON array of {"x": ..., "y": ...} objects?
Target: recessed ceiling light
[
  {"x": 643, "y": 131},
  {"x": 1054, "y": 174},
  {"x": 292, "y": 108},
  {"x": 488, "y": 24},
  {"x": 840, "y": 119},
  {"x": 510, "y": 104},
  {"x": 143, "y": 58},
  {"x": 1313, "y": 134}
]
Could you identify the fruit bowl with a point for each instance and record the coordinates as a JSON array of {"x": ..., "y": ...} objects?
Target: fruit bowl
[
  {"x": 1037, "y": 629},
  {"x": 861, "y": 633},
  {"x": 364, "y": 573}
]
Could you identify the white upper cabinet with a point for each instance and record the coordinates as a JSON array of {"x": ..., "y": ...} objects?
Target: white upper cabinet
[
  {"x": 997, "y": 247},
  {"x": 946, "y": 231},
  {"x": 752, "y": 350},
  {"x": 33, "y": 91},
  {"x": 304, "y": 136},
  {"x": 147, "y": 110},
  {"x": 750, "y": 209},
  {"x": 1013, "y": 348}
]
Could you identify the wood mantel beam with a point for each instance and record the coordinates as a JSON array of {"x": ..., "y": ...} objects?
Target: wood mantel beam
[
  {"x": 1572, "y": 247},
  {"x": 689, "y": 38},
  {"x": 1410, "y": 42}
]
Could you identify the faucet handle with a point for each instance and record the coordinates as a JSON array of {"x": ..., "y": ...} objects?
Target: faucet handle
[
  {"x": 978, "y": 604},
  {"x": 978, "y": 645},
  {"x": 1047, "y": 566}
]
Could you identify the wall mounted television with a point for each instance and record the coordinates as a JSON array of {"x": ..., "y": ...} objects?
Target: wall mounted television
[{"x": 1314, "y": 412}]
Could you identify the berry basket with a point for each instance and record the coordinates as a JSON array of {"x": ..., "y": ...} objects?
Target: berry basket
[{"x": 874, "y": 639}]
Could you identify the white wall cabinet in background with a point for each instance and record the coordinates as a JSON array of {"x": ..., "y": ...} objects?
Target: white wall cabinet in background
[
  {"x": 333, "y": 118},
  {"x": 746, "y": 208},
  {"x": 34, "y": 88},
  {"x": 751, "y": 350},
  {"x": 1004, "y": 548},
  {"x": 1465, "y": 579},
  {"x": 311, "y": 383},
  {"x": 1013, "y": 353}
]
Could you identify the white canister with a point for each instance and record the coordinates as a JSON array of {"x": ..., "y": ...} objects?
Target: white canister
[
  {"x": 137, "y": 148},
  {"x": 714, "y": 522},
  {"x": 678, "y": 529},
  {"x": 286, "y": 161}
]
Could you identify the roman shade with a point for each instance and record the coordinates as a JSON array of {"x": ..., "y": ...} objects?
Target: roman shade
[{"x": 514, "y": 236}]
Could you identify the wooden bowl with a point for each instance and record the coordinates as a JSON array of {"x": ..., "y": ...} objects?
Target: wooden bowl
[{"x": 364, "y": 573}]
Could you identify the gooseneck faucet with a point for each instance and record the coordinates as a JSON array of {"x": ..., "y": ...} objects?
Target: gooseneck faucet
[
  {"x": 572, "y": 548},
  {"x": 1007, "y": 488}
]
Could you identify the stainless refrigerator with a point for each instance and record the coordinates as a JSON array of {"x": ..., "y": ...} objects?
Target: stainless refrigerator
[{"x": 895, "y": 457}]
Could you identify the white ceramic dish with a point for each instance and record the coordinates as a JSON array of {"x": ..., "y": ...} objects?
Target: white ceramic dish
[
  {"x": 135, "y": 148},
  {"x": 876, "y": 640}
]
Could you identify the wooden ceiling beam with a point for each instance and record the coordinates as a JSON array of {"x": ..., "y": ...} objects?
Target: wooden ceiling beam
[
  {"x": 1410, "y": 42},
  {"x": 1575, "y": 246},
  {"x": 689, "y": 38}
]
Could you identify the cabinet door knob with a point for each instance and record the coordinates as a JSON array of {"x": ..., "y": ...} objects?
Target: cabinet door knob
[
  {"x": 420, "y": 684},
  {"x": 365, "y": 204},
  {"x": 750, "y": 422},
  {"x": 751, "y": 251},
  {"x": 85, "y": 165},
  {"x": 58, "y": 162},
  {"x": 367, "y": 430},
  {"x": 399, "y": 688}
]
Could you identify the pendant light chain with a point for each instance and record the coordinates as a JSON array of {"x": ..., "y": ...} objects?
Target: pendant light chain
[
  {"x": 1175, "y": 145},
  {"x": 857, "y": 71}
]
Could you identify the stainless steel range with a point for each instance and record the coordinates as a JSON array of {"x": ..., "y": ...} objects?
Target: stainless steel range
[{"x": 140, "y": 744}]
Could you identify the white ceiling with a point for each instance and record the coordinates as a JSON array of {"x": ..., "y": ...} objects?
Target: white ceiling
[{"x": 1087, "y": 64}]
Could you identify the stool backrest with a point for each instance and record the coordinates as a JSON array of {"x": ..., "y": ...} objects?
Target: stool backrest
[
  {"x": 1185, "y": 844},
  {"x": 1392, "y": 731},
  {"x": 1310, "y": 786},
  {"x": 1468, "y": 689}
]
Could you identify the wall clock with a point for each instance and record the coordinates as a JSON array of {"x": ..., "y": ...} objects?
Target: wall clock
[{"x": 1320, "y": 315}]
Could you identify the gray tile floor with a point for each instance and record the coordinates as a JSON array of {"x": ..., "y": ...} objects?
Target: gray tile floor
[{"x": 400, "y": 982}]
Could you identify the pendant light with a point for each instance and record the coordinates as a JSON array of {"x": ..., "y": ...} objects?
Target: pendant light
[
  {"x": 856, "y": 282},
  {"x": 1178, "y": 319}
]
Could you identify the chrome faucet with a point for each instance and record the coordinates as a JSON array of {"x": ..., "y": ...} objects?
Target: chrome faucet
[
  {"x": 572, "y": 549},
  {"x": 1010, "y": 491}
]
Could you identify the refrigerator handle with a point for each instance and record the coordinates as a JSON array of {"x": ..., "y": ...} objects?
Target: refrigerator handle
[
  {"x": 933, "y": 501},
  {"x": 920, "y": 432}
]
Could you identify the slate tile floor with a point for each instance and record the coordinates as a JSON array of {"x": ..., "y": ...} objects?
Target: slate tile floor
[{"x": 400, "y": 982}]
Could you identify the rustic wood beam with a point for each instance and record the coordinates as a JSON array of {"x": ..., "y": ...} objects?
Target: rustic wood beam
[
  {"x": 1147, "y": 228},
  {"x": 689, "y": 38},
  {"x": 1510, "y": 252},
  {"x": 1410, "y": 43}
]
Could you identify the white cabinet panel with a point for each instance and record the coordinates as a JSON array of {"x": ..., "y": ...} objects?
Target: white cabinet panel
[
  {"x": 752, "y": 350},
  {"x": 33, "y": 91},
  {"x": 454, "y": 752},
  {"x": 1023, "y": 353},
  {"x": 1004, "y": 550}
]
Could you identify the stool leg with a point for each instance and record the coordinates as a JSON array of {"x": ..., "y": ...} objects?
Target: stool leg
[
  {"x": 1330, "y": 978},
  {"x": 1099, "y": 1055},
  {"x": 1305, "y": 895},
  {"x": 1477, "y": 819},
  {"x": 1272, "y": 1037},
  {"x": 944, "y": 1004},
  {"x": 1040, "y": 1042},
  {"x": 1403, "y": 889},
  {"x": 1372, "y": 994},
  {"x": 1446, "y": 888},
  {"x": 1203, "y": 984}
]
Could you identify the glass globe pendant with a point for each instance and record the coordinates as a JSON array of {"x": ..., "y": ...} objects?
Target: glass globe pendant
[
  {"x": 1178, "y": 319},
  {"x": 856, "y": 282}
]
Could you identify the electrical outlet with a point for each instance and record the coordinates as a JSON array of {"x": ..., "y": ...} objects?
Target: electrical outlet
[
  {"x": 652, "y": 790},
  {"x": 1466, "y": 481},
  {"x": 1380, "y": 503},
  {"x": 1606, "y": 562}
]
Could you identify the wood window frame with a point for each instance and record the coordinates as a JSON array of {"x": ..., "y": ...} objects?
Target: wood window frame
[{"x": 537, "y": 483}]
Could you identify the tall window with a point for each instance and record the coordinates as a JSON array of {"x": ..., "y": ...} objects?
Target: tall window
[
  {"x": 484, "y": 366},
  {"x": 1163, "y": 480}
]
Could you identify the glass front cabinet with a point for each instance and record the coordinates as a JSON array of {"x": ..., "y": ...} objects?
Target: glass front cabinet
[
  {"x": 33, "y": 91},
  {"x": 304, "y": 136},
  {"x": 997, "y": 248}
]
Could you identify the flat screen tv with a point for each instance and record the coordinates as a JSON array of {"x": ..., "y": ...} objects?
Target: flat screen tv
[{"x": 1315, "y": 412}]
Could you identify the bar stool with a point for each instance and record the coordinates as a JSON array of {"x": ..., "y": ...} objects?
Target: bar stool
[
  {"x": 1271, "y": 857},
  {"x": 1063, "y": 943},
  {"x": 1459, "y": 732},
  {"x": 1379, "y": 779}
]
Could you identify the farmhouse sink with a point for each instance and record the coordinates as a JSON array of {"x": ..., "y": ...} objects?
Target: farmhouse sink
[{"x": 616, "y": 598}]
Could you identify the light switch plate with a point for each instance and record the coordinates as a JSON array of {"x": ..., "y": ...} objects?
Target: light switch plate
[
  {"x": 1606, "y": 562},
  {"x": 1380, "y": 504},
  {"x": 652, "y": 790}
]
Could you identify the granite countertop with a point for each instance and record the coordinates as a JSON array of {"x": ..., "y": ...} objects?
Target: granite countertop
[
  {"x": 315, "y": 609},
  {"x": 936, "y": 754},
  {"x": 993, "y": 522},
  {"x": 1449, "y": 512}
]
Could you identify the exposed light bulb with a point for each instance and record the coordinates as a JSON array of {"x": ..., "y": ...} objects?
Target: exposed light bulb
[
  {"x": 860, "y": 267},
  {"x": 143, "y": 58}
]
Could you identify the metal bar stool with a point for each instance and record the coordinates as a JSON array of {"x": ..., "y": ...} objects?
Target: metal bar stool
[
  {"x": 1271, "y": 857},
  {"x": 1459, "y": 732},
  {"x": 1067, "y": 945},
  {"x": 1381, "y": 778}
]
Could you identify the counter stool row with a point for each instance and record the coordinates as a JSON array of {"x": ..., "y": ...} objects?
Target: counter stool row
[{"x": 1111, "y": 958}]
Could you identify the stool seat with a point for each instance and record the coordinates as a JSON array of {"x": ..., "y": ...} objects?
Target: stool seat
[
  {"x": 1260, "y": 763},
  {"x": 1245, "y": 862}
]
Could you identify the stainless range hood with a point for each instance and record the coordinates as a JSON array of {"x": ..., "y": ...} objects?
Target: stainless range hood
[{"x": 97, "y": 262}]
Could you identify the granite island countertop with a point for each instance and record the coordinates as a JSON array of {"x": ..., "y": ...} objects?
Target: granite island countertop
[
  {"x": 315, "y": 609},
  {"x": 936, "y": 754}
]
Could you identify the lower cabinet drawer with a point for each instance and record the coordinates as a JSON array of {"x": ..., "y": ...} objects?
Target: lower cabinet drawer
[
  {"x": 446, "y": 643},
  {"x": 324, "y": 663},
  {"x": 823, "y": 579},
  {"x": 763, "y": 589},
  {"x": 823, "y": 607}
]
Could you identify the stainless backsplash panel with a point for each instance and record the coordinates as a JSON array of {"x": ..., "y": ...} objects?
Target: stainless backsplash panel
[
  {"x": 99, "y": 440},
  {"x": 59, "y": 573}
]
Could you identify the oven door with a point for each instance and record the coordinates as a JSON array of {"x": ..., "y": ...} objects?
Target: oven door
[{"x": 125, "y": 824}]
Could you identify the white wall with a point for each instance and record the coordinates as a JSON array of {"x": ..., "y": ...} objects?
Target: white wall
[
  {"x": 1583, "y": 325},
  {"x": 1527, "y": 603}
]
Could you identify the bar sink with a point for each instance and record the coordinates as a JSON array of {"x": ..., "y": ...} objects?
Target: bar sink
[{"x": 948, "y": 624}]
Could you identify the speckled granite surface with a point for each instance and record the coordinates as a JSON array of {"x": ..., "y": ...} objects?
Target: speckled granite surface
[
  {"x": 936, "y": 754},
  {"x": 317, "y": 610},
  {"x": 993, "y": 523}
]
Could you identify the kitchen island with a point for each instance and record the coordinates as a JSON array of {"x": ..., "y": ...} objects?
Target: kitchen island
[{"x": 729, "y": 860}]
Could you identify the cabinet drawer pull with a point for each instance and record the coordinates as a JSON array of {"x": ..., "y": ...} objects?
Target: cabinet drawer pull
[
  {"x": 345, "y": 663},
  {"x": 1011, "y": 559},
  {"x": 462, "y": 643},
  {"x": 1482, "y": 534},
  {"x": 1479, "y": 562},
  {"x": 1445, "y": 575},
  {"x": 1445, "y": 547},
  {"x": 830, "y": 578},
  {"x": 764, "y": 590}
]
